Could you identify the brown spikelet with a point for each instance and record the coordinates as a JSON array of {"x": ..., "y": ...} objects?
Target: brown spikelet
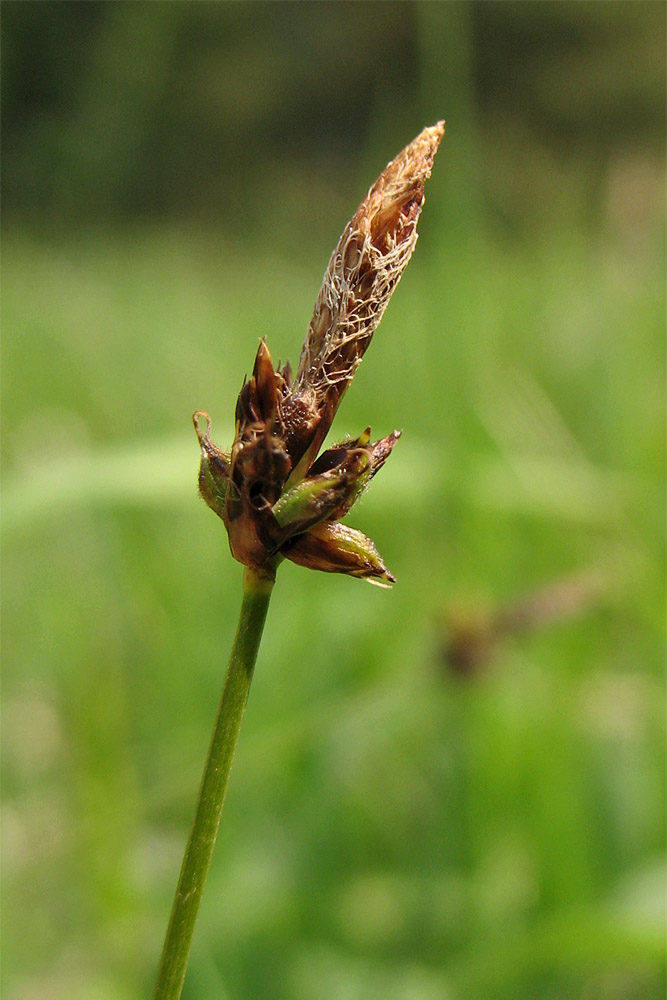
[
  {"x": 363, "y": 272},
  {"x": 276, "y": 498}
]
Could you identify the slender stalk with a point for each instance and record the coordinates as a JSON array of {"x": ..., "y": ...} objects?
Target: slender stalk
[{"x": 197, "y": 858}]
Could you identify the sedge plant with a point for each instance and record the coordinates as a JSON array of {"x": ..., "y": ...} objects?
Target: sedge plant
[{"x": 278, "y": 499}]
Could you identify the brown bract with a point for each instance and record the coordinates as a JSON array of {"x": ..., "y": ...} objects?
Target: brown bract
[{"x": 276, "y": 497}]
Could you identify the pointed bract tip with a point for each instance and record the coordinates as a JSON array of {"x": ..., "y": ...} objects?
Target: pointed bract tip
[{"x": 197, "y": 416}]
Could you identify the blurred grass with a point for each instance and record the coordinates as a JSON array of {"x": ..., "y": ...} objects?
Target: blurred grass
[{"x": 391, "y": 830}]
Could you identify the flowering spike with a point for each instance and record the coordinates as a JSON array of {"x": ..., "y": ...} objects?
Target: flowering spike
[
  {"x": 273, "y": 493},
  {"x": 363, "y": 272}
]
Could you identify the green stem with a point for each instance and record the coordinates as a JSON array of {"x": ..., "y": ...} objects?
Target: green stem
[{"x": 197, "y": 858}]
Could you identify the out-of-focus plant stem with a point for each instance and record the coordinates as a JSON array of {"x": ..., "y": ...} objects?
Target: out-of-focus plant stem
[{"x": 256, "y": 595}]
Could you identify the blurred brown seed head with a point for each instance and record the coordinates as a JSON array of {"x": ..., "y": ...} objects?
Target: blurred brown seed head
[{"x": 473, "y": 635}]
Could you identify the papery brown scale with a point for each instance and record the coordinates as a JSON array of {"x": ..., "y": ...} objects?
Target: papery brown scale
[
  {"x": 259, "y": 398},
  {"x": 365, "y": 285},
  {"x": 353, "y": 253},
  {"x": 286, "y": 373}
]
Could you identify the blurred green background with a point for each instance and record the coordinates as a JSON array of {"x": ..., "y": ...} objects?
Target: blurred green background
[{"x": 416, "y": 812}]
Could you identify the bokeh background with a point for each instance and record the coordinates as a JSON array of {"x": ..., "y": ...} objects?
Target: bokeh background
[{"x": 453, "y": 789}]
